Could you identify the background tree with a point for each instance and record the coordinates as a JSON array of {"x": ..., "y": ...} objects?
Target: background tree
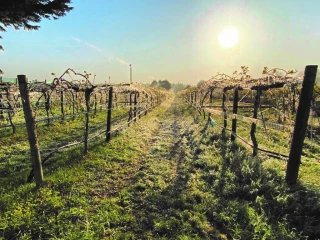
[
  {"x": 177, "y": 87},
  {"x": 154, "y": 83},
  {"x": 164, "y": 84},
  {"x": 26, "y": 13},
  {"x": 200, "y": 83}
]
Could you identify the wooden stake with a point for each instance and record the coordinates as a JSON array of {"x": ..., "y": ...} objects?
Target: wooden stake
[
  {"x": 135, "y": 108},
  {"x": 130, "y": 110},
  {"x": 47, "y": 106},
  {"x": 61, "y": 104},
  {"x": 210, "y": 101},
  {"x": 31, "y": 129},
  {"x": 86, "y": 131},
  {"x": 301, "y": 123},
  {"x": 235, "y": 111},
  {"x": 95, "y": 104},
  {"x": 147, "y": 101},
  {"x": 254, "y": 125},
  {"x": 108, "y": 134},
  {"x": 100, "y": 101},
  {"x": 224, "y": 110},
  {"x": 73, "y": 104}
]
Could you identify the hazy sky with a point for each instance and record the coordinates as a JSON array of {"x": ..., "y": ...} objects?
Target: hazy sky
[{"x": 166, "y": 39}]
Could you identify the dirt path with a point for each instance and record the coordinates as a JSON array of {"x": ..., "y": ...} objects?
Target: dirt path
[
  {"x": 159, "y": 186},
  {"x": 162, "y": 149}
]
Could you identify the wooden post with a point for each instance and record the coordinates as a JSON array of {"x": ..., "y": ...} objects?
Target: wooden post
[
  {"x": 224, "y": 110},
  {"x": 86, "y": 131},
  {"x": 130, "y": 110},
  {"x": 235, "y": 111},
  {"x": 61, "y": 104},
  {"x": 147, "y": 100},
  {"x": 95, "y": 104},
  {"x": 300, "y": 126},
  {"x": 31, "y": 129},
  {"x": 139, "y": 109},
  {"x": 135, "y": 108},
  {"x": 73, "y": 104},
  {"x": 108, "y": 133},
  {"x": 254, "y": 125},
  {"x": 106, "y": 98},
  {"x": 210, "y": 101},
  {"x": 47, "y": 106}
]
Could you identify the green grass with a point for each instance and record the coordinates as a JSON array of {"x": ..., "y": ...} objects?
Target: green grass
[{"x": 169, "y": 176}]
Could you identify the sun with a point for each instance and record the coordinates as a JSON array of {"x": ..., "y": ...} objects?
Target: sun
[{"x": 228, "y": 37}]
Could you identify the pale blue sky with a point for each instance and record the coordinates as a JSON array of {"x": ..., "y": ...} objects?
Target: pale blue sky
[{"x": 168, "y": 39}]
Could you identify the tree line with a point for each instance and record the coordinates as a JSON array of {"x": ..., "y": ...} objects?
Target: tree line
[{"x": 174, "y": 87}]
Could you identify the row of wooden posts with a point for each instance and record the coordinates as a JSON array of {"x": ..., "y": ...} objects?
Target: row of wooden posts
[
  {"x": 236, "y": 89},
  {"x": 301, "y": 121},
  {"x": 31, "y": 122}
]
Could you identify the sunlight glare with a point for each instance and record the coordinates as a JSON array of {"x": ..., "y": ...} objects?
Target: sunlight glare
[{"x": 228, "y": 37}]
